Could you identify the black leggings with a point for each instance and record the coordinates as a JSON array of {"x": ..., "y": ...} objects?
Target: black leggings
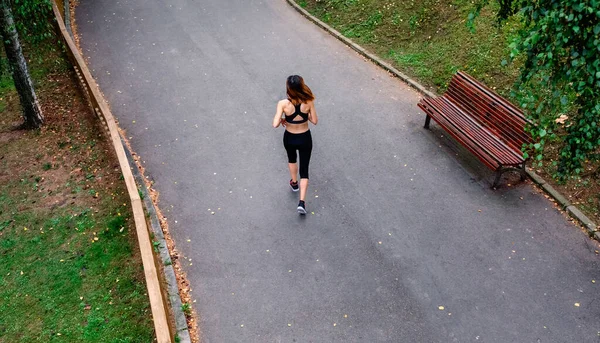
[{"x": 301, "y": 142}]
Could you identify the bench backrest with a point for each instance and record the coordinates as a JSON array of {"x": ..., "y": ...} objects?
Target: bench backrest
[{"x": 492, "y": 111}]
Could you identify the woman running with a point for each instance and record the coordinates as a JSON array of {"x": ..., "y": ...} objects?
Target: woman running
[{"x": 294, "y": 113}]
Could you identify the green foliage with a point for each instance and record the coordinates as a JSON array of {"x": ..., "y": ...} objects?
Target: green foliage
[
  {"x": 561, "y": 43},
  {"x": 559, "y": 87},
  {"x": 186, "y": 308},
  {"x": 33, "y": 19}
]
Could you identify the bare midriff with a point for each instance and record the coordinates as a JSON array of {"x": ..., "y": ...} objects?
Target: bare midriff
[{"x": 296, "y": 128}]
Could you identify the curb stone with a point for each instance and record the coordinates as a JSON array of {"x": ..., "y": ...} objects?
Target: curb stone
[
  {"x": 563, "y": 201},
  {"x": 535, "y": 177},
  {"x": 575, "y": 213},
  {"x": 181, "y": 328},
  {"x": 587, "y": 223}
]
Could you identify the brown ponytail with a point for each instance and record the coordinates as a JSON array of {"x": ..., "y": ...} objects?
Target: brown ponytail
[{"x": 297, "y": 90}]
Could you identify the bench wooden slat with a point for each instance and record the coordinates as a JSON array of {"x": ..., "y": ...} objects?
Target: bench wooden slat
[
  {"x": 516, "y": 115},
  {"x": 487, "y": 159},
  {"x": 487, "y": 112},
  {"x": 490, "y": 112},
  {"x": 503, "y": 153},
  {"x": 488, "y": 125},
  {"x": 480, "y": 136},
  {"x": 505, "y": 103}
]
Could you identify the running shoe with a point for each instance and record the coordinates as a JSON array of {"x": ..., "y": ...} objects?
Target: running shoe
[
  {"x": 301, "y": 207},
  {"x": 294, "y": 186}
]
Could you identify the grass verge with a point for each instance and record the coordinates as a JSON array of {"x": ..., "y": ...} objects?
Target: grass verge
[
  {"x": 71, "y": 270},
  {"x": 429, "y": 40}
]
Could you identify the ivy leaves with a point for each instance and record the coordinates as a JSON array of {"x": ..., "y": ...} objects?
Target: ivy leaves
[
  {"x": 33, "y": 19},
  {"x": 561, "y": 45}
]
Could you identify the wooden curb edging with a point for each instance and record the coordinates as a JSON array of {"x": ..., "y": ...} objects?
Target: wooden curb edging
[
  {"x": 181, "y": 328},
  {"x": 574, "y": 212},
  {"x": 157, "y": 302}
]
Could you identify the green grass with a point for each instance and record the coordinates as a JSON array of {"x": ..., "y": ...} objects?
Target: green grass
[
  {"x": 428, "y": 40},
  {"x": 69, "y": 277},
  {"x": 6, "y": 87},
  {"x": 67, "y": 274}
]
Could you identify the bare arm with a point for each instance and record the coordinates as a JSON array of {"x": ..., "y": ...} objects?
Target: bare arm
[
  {"x": 277, "y": 119},
  {"x": 312, "y": 114}
]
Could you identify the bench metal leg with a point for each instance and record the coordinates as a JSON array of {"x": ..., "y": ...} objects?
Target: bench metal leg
[
  {"x": 499, "y": 173},
  {"x": 523, "y": 172},
  {"x": 427, "y": 121},
  {"x": 502, "y": 170}
]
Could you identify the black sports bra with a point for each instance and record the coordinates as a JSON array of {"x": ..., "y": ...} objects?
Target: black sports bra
[{"x": 297, "y": 112}]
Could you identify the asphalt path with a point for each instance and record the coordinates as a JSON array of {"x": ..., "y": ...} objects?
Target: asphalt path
[{"x": 401, "y": 220}]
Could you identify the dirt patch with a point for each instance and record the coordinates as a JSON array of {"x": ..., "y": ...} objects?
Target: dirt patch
[
  {"x": 6, "y": 137},
  {"x": 62, "y": 164}
]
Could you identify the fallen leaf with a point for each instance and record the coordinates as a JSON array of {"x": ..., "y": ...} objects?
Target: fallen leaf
[{"x": 561, "y": 119}]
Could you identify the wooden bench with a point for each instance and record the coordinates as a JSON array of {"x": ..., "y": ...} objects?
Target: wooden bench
[{"x": 483, "y": 122}]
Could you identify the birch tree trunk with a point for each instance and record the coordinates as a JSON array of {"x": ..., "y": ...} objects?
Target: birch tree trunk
[{"x": 32, "y": 112}]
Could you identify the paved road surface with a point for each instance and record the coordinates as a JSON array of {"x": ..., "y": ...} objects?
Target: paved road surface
[{"x": 400, "y": 221}]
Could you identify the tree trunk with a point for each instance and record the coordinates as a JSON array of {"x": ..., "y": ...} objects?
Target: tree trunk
[{"x": 31, "y": 108}]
